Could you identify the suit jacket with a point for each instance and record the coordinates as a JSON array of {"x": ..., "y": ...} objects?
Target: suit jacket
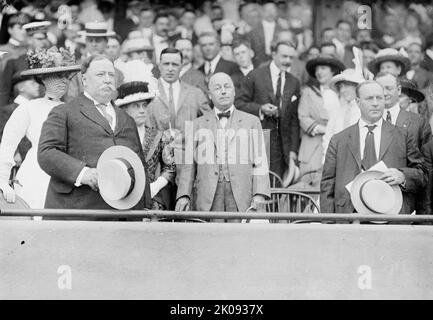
[
  {"x": 257, "y": 90},
  {"x": 12, "y": 66},
  {"x": 65, "y": 149},
  {"x": 248, "y": 169},
  {"x": 343, "y": 163},
  {"x": 257, "y": 39},
  {"x": 416, "y": 125},
  {"x": 427, "y": 205},
  {"x": 192, "y": 103},
  {"x": 13, "y": 52},
  {"x": 196, "y": 79},
  {"x": 225, "y": 66}
]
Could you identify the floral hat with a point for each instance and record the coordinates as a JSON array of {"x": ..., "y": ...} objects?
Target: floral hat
[{"x": 53, "y": 60}]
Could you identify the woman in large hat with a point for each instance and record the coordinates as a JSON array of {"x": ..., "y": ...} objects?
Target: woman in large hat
[
  {"x": 347, "y": 111},
  {"x": 53, "y": 68},
  {"x": 134, "y": 98},
  {"x": 317, "y": 100}
]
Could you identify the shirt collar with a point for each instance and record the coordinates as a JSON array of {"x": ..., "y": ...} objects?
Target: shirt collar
[
  {"x": 267, "y": 23},
  {"x": 394, "y": 110},
  {"x": 217, "y": 111},
  {"x": 167, "y": 85},
  {"x": 185, "y": 68},
  {"x": 14, "y": 42},
  {"x": 95, "y": 102},
  {"x": 429, "y": 52},
  {"x": 275, "y": 71},
  {"x": 362, "y": 123},
  {"x": 20, "y": 99},
  {"x": 246, "y": 70},
  {"x": 215, "y": 61}
]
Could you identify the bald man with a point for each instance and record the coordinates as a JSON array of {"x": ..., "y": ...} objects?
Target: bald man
[{"x": 230, "y": 168}]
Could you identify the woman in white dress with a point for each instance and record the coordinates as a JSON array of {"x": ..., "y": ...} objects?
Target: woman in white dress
[{"x": 53, "y": 68}]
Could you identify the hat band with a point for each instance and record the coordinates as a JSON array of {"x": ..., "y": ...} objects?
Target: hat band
[
  {"x": 362, "y": 199},
  {"x": 95, "y": 30},
  {"x": 131, "y": 173}
]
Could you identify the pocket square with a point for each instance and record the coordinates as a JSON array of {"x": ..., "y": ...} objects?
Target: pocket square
[{"x": 294, "y": 98}]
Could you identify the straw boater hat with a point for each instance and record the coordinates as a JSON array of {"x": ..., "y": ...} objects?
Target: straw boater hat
[
  {"x": 389, "y": 54},
  {"x": 96, "y": 29},
  {"x": 133, "y": 92},
  {"x": 36, "y": 27},
  {"x": 371, "y": 195},
  {"x": 324, "y": 60},
  {"x": 121, "y": 177},
  {"x": 410, "y": 88},
  {"x": 136, "y": 45},
  {"x": 348, "y": 75},
  {"x": 53, "y": 60}
]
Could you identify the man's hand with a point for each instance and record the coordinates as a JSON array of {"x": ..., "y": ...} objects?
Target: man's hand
[
  {"x": 258, "y": 202},
  {"x": 90, "y": 178},
  {"x": 393, "y": 177},
  {"x": 18, "y": 159},
  {"x": 269, "y": 110},
  {"x": 182, "y": 204},
  {"x": 8, "y": 193},
  {"x": 319, "y": 129}
]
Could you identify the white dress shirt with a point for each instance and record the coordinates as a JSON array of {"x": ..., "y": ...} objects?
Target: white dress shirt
[
  {"x": 394, "y": 110},
  {"x": 20, "y": 99},
  {"x": 275, "y": 72},
  {"x": 223, "y": 121},
  {"x": 176, "y": 92},
  {"x": 429, "y": 52},
  {"x": 269, "y": 30},
  {"x": 112, "y": 113},
  {"x": 363, "y": 130},
  {"x": 211, "y": 64}
]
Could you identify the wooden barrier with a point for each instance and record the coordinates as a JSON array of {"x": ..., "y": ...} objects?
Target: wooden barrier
[{"x": 147, "y": 260}]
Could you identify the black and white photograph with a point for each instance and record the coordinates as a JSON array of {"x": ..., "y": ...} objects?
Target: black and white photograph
[{"x": 216, "y": 154}]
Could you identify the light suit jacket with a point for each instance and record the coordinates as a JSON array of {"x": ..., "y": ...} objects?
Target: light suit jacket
[{"x": 247, "y": 162}]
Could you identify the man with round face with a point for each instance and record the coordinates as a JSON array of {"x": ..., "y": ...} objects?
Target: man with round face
[
  {"x": 361, "y": 146},
  {"x": 189, "y": 74},
  {"x": 230, "y": 167},
  {"x": 66, "y": 151}
]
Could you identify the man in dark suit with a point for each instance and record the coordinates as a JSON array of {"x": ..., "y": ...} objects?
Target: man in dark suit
[
  {"x": 75, "y": 135},
  {"x": 243, "y": 55},
  {"x": 415, "y": 124},
  {"x": 362, "y": 145},
  {"x": 421, "y": 76},
  {"x": 262, "y": 36},
  {"x": 210, "y": 47},
  {"x": 272, "y": 93}
]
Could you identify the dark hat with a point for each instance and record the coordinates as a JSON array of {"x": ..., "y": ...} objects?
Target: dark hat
[
  {"x": 18, "y": 77},
  {"x": 132, "y": 92},
  {"x": 389, "y": 54},
  {"x": 410, "y": 88},
  {"x": 324, "y": 60}
]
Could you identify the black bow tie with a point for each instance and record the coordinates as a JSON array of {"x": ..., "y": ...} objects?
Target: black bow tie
[{"x": 224, "y": 115}]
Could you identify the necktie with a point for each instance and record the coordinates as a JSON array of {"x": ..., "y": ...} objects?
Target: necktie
[
  {"x": 104, "y": 111},
  {"x": 388, "y": 116},
  {"x": 278, "y": 93},
  {"x": 370, "y": 157},
  {"x": 207, "y": 68},
  {"x": 171, "y": 103},
  {"x": 224, "y": 115}
]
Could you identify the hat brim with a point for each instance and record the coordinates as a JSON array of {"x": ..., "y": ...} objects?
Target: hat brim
[
  {"x": 140, "y": 96},
  {"x": 122, "y": 152},
  {"x": 418, "y": 96},
  {"x": 339, "y": 78},
  {"x": 96, "y": 35},
  {"x": 41, "y": 71},
  {"x": 404, "y": 62},
  {"x": 357, "y": 202},
  {"x": 291, "y": 175},
  {"x": 323, "y": 61},
  {"x": 18, "y": 204}
]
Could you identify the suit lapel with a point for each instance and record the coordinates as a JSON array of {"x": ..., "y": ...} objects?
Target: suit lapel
[
  {"x": 162, "y": 95},
  {"x": 120, "y": 120},
  {"x": 234, "y": 123},
  {"x": 386, "y": 139},
  {"x": 89, "y": 110},
  {"x": 354, "y": 144},
  {"x": 182, "y": 95},
  {"x": 402, "y": 119},
  {"x": 268, "y": 84}
]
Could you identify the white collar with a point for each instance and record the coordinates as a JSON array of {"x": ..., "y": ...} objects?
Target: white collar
[
  {"x": 394, "y": 110},
  {"x": 215, "y": 61},
  {"x": 14, "y": 42},
  {"x": 362, "y": 123},
  {"x": 167, "y": 85},
  {"x": 429, "y": 52},
  {"x": 274, "y": 69},
  {"x": 93, "y": 100},
  {"x": 159, "y": 38},
  {"x": 20, "y": 99},
  {"x": 268, "y": 24},
  {"x": 185, "y": 68}
]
